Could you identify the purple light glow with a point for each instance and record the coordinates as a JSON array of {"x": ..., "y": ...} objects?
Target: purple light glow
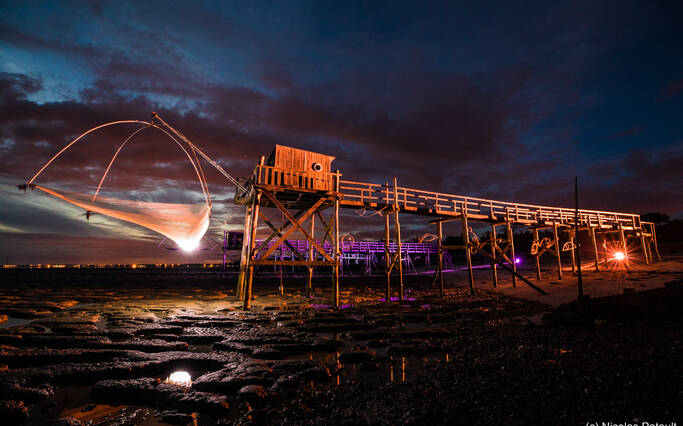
[{"x": 518, "y": 260}]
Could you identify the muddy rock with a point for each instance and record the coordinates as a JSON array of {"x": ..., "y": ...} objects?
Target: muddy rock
[{"x": 159, "y": 395}]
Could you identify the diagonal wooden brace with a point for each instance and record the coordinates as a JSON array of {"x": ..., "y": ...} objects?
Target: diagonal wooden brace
[
  {"x": 279, "y": 233},
  {"x": 296, "y": 224},
  {"x": 265, "y": 242}
]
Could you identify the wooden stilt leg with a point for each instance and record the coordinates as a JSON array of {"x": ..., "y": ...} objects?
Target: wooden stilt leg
[
  {"x": 557, "y": 252},
  {"x": 387, "y": 260},
  {"x": 591, "y": 230},
  {"x": 246, "y": 244},
  {"x": 468, "y": 255},
  {"x": 537, "y": 256},
  {"x": 642, "y": 246},
  {"x": 252, "y": 254},
  {"x": 494, "y": 267},
  {"x": 572, "y": 255},
  {"x": 337, "y": 252},
  {"x": 513, "y": 259},
  {"x": 399, "y": 260},
  {"x": 439, "y": 229},
  {"x": 654, "y": 239},
  {"x": 622, "y": 237},
  {"x": 309, "y": 283}
]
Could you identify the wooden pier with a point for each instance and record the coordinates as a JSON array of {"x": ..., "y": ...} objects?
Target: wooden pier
[{"x": 302, "y": 185}]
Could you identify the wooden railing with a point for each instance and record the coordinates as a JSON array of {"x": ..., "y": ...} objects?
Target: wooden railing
[
  {"x": 273, "y": 176},
  {"x": 417, "y": 201}
]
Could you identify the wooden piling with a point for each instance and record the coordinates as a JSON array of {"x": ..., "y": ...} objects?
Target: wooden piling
[
  {"x": 642, "y": 246},
  {"x": 387, "y": 261},
  {"x": 537, "y": 256},
  {"x": 239, "y": 293},
  {"x": 622, "y": 237},
  {"x": 468, "y": 254},
  {"x": 557, "y": 251},
  {"x": 494, "y": 266},
  {"x": 591, "y": 230},
  {"x": 654, "y": 239},
  {"x": 397, "y": 225},
  {"x": 572, "y": 255},
  {"x": 309, "y": 283},
  {"x": 439, "y": 230},
  {"x": 252, "y": 249},
  {"x": 336, "y": 240},
  {"x": 513, "y": 259}
]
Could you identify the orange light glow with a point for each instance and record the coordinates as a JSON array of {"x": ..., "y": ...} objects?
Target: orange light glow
[{"x": 619, "y": 255}]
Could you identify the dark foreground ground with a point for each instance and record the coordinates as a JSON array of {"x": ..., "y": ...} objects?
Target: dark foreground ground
[{"x": 75, "y": 353}]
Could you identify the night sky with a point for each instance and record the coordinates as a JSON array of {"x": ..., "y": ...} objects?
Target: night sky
[{"x": 504, "y": 100}]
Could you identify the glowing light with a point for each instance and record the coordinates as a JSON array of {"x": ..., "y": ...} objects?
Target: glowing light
[
  {"x": 518, "y": 260},
  {"x": 180, "y": 378},
  {"x": 188, "y": 245},
  {"x": 619, "y": 255}
]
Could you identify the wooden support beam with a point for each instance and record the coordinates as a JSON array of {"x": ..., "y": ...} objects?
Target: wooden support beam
[
  {"x": 336, "y": 241},
  {"x": 387, "y": 266},
  {"x": 642, "y": 246},
  {"x": 278, "y": 232},
  {"x": 513, "y": 259},
  {"x": 572, "y": 256},
  {"x": 654, "y": 239},
  {"x": 241, "y": 278},
  {"x": 439, "y": 230},
  {"x": 309, "y": 283},
  {"x": 252, "y": 249},
  {"x": 557, "y": 251},
  {"x": 624, "y": 246},
  {"x": 468, "y": 255},
  {"x": 504, "y": 266},
  {"x": 494, "y": 270},
  {"x": 537, "y": 256},
  {"x": 397, "y": 225},
  {"x": 269, "y": 262},
  {"x": 591, "y": 230},
  {"x": 297, "y": 224}
]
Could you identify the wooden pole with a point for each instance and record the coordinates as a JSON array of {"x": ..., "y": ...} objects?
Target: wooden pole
[
  {"x": 557, "y": 251},
  {"x": 642, "y": 246},
  {"x": 387, "y": 264},
  {"x": 654, "y": 238},
  {"x": 439, "y": 230},
  {"x": 252, "y": 248},
  {"x": 246, "y": 243},
  {"x": 397, "y": 225},
  {"x": 572, "y": 255},
  {"x": 513, "y": 259},
  {"x": 494, "y": 270},
  {"x": 591, "y": 230},
  {"x": 579, "y": 279},
  {"x": 622, "y": 237},
  {"x": 537, "y": 255},
  {"x": 309, "y": 283},
  {"x": 468, "y": 255},
  {"x": 336, "y": 239},
  {"x": 507, "y": 268}
]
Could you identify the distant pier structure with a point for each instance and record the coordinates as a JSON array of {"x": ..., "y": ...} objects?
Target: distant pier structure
[{"x": 306, "y": 191}]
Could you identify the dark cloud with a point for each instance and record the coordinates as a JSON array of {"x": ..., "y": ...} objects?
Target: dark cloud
[{"x": 499, "y": 103}]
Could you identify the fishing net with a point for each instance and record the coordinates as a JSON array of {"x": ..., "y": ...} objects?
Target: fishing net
[{"x": 183, "y": 223}]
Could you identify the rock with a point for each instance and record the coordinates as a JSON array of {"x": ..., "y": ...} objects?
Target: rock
[
  {"x": 13, "y": 412},
  {"x": 160, "y": 395},
  {"x": 252, "y": 393},
  {"x": 176, "y": 418}
]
